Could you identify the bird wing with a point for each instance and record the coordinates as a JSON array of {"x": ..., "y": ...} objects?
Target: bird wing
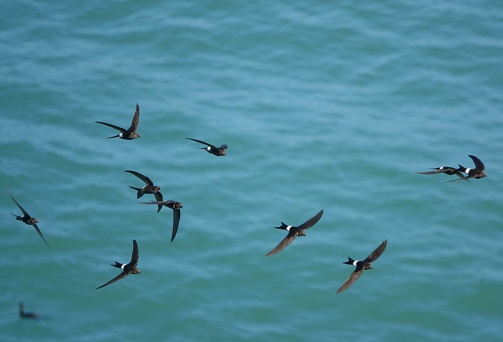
[
  {"x": 285, "y": 242},
  {"x": 136, "y": 120},
  {"x": 142, "y": 177},
  {"x": 40, "y": 234},
  {"x": 158, "y": 197},
  {"x": 311, "y": 222},
  {"x": 202, "y": 142},
  {"x": 478, "y": 164},
  {"x": 154, "y": 202},
  {"x": 177, "y": 213},
  {"x": 449, "y": 170},
  {"x": 135, "y": 255},
  {"x": 120, "y": 276},
  {"x": 377, "y": 252},
  {"x": 20, "y": 207},
  {"x": 123, "y": 131},
  {"x": 352, "y": 278},
  {"x": 457, "y": 173},
  {"x": 159, "y": 203},
  {"x": 461, "y": 177},
  {"x": 434, "y": 172}
]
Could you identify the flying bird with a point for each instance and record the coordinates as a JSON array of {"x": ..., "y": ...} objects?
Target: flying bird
[
  {"x": 217, "y": 151},
  {"x": 23, "y": 314},
  {"x": 362, "y": 266},
  {"x": 127, "y": 269},
  {"x": 130, "y": 133},
  {"x": 448, "y": 170},
  {"x": 477, "y": 172},
  {"x": 26, "y": 218},
  {"x": 293, "y": 232},
  {"x": 149, "y": 188},
  {"x": 176, "y": 206}
]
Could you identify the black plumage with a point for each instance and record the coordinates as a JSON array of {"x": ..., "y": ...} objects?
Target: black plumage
[
  {"x": 293, "y": 232},
  {"x": 127, "y": 269},
  {"x": 361, "y": 266}
]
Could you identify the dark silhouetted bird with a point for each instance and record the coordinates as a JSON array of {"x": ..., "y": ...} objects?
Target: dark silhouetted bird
[
  {"x": 127, "y": 269},
  {"x": 130, "y": 133},
  {"x": 26, "y": 218},
  {"x": 362, "y": 266},
  {"x": 177, "y": 214},
  {"x": 448, "y": 170},
  {"x": 293, "y": 232},
  {"x": 23, "y": 314},
  {"x": 217, "y": 151},
  {"x": 477, "y": 172},
  {"x": 149, "y": 188}
]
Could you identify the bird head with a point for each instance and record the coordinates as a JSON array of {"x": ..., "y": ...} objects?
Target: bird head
[{"x": 223, "y": 149}]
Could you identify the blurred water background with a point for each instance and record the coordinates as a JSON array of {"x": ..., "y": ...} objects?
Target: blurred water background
[{"x": 324, "y": 105}]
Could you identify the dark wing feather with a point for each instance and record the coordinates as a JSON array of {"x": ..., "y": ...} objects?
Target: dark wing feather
[
  {"x": 285, "y": 242},
  {"x": 461, "y": 177},
  {"x": 448, "y": 170},
  {"x": 458, "y": 173},
  {"x": 158, "y": 197},
  {"x": 202, "y": 142},
  {"x": 120, "y": 276},
  {"x": 434, "y": 172},
  {"x": 136, "y": 120},
  {"x": 377, "y": 252},
  {"x": 40, "y": 234},
  {"x": 352, "y": 278},
  {"x": 159, "y": 204},
  {"x": 20, "y": 207},
  {"x": 142, "y": 177},
  {"x": 123, "y": 131},
  {"x": 135, "y": 255},
  {"x": 312, "y": 221},
  {"x": 177, "y": 213},
  {"x": 478, "y": 164}
]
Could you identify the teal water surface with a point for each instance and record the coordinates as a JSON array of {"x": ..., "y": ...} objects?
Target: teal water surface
[{"x": 324, "y": 105}]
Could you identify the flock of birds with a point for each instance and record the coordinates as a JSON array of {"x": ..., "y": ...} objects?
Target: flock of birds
[{"x": 292, "y": 231}]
